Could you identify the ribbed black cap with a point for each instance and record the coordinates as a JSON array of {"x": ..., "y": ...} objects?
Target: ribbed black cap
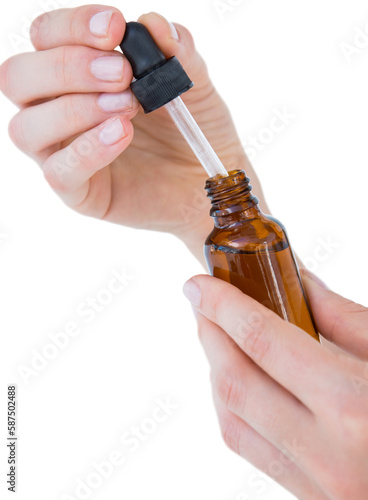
[{"x": 158, "y": 80}]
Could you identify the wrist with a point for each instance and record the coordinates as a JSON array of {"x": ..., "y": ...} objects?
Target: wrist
[{"x": 194, "y": 235}]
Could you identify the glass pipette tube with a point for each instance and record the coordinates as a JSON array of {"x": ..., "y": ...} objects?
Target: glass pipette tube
[{"x": 195, "y": 137}]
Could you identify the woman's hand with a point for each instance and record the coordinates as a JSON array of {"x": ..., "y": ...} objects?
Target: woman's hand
[
  {"x": 77, "y": 117},
  {"x": 294, "y": 409}
]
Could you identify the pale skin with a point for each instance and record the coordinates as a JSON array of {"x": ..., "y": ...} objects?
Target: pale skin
[
  {"x": 276, "y": 390},
  {"x": 291, "y": 407}
]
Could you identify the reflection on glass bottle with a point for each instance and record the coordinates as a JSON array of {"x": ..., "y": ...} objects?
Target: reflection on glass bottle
[{"x": 251, "y": 251}]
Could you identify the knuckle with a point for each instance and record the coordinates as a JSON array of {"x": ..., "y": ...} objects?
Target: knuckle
[
  {"x": 62, "y": 65},
  {"x": 53, "y": 173},
  {"x": 75, "y": 23},
  {"x": 230, "y": 432},
  {"x": 60, "y": 170},
  {"x": 84, "y": 148},
  {"x": 352, "y": 422},
  {"x": 228, "y": 389},
  {"x": 16, "y": 132},
  {"x": 73, "y": 110},
  {"x": 344, "y": 316},
  {"x": 253, "y": 341},
  {"x": 37, "y": 29}
]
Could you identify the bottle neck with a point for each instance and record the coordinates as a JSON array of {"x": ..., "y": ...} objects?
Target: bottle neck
[{"x": 232, "y": 199}]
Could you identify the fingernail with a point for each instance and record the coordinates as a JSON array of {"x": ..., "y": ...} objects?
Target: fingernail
[
  {"x": 119, "y": 101},
  {"x": 99, "y": 23},
  {"x": 192, "y": 292},
  {"x": 174, "y": 33},
  {"x": 314, "y": 278},
  {"x": 112, "y": 132},
  {"x": 108, "y": 68}
]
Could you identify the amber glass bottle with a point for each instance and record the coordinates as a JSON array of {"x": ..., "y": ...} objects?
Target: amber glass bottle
[{"x": 251, "y": 251}]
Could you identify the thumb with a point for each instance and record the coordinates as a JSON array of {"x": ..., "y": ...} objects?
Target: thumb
[
  {"x": 339, "y": 320},
  {"x": 176, "y": 40}
]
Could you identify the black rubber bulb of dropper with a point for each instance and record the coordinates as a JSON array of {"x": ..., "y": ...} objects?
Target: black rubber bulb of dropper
[
  {"x": 141, "y": 50},
  {"x": 158, "y": 80}
]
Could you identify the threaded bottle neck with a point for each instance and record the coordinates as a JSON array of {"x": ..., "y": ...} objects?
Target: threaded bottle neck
[{"x": 230, "y": 195}]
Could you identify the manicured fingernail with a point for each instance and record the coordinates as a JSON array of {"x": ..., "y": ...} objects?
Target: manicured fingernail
[
  {"x": 314, "y": 278},
  {"x": 112, "y": 132},
  {"x": 99, "y": 23},
  {"x": 113, "y": 102},
  {"x": 174, "y": 33},
  {"x": 108, "y": 68},
  {"x": 192, "y": 292}
]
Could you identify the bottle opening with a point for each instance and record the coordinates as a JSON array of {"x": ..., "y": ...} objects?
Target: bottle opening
[
  {"x": 219, "y": 186},
  {"x": 231, "y": 193}
]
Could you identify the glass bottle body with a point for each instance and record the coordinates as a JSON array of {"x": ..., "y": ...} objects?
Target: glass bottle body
[{"x": 251, "y": 251}]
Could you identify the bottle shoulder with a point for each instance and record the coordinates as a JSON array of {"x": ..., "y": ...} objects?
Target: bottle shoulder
[{"x": 250, "y": 235}]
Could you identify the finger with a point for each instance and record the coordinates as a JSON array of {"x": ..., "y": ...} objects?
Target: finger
[
  {"x": 288, "y": 354},
  {"x": 69, "y": 170},
  {"x": 339, "y": 320},
  {"x": 246, "y": 442},
  {"x": 248, "y": 392},
  {"x": 30, "y": 76},
  {"x": 38, "y": 127},
  {"x": 176, "y": 40},
  {"x": 97, "y": 26}
]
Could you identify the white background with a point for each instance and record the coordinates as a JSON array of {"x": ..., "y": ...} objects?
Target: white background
[{"x": 262, "y": 56}]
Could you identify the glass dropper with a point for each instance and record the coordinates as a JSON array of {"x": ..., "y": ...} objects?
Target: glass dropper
[
  {"x": 158, "y": 83},
  {"x": 195, "y": 137}
]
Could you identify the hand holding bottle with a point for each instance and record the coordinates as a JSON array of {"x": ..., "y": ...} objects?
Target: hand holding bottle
[
  {"x": 79, "y": 121},
  {"x": 293, "y": 408}
]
